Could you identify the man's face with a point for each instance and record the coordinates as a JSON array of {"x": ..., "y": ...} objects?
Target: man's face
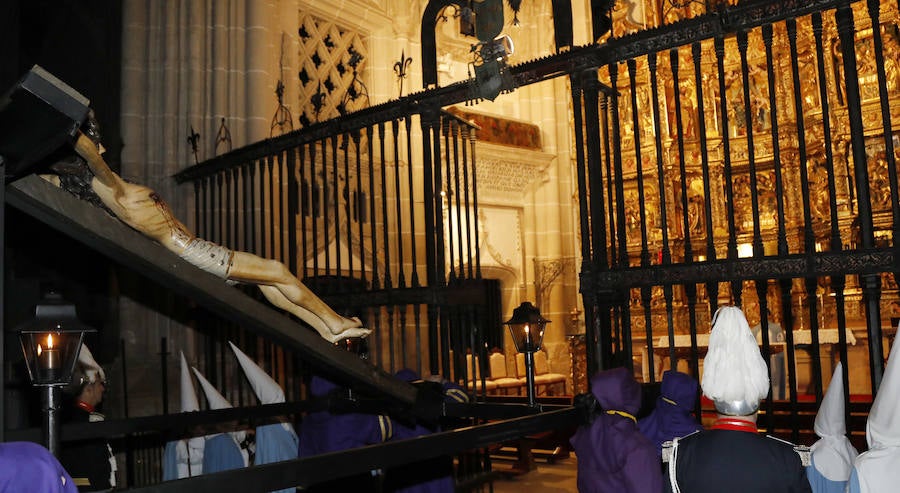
[{"x": 93, "y": 392}]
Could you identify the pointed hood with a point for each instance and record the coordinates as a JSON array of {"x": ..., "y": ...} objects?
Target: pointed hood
[
  {"x": 833, "y": 454},
  {"x": 213, "y": 397},
  {"x": 265, "y": 387},
  {"x": 616, "y": 389},
  {"x": 883, "y": 425},
  {"x": 735, "y": 376},
  {"x": 92, "y": 369},
  {"x": 216, "y": 401},
  {"x": 671, "y": 417},
  {"x": 878, "y": 469},
  {"x": 189, "y": 402}
]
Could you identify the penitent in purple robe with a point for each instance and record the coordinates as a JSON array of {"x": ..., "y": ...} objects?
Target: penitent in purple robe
[
  {"x": 322, "y": 432},
  {"x": 434, "y": 475},
  {"x": 613, "y": 455},
  {"x": 26, "y": 466},
  {"x": 672, "y": 416}
]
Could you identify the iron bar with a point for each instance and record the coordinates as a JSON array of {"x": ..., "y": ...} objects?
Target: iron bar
[
  {"x": 456, "y": 200},
  {"x": 762, "y": 290},
  {"x": 674, "y": 61},
  {"x": 666, "y": 252},
  {"x": 347, "y": 195},
  {"x": 360, "y": 209},
  {"x": 719, "y": 45},
  {"x": 619, "y": 226},
  {"x": 305, "y": 208},
  {"x": 376, "y": 281},
  {"x": 809, "y": 239},
  {"x": 696, "y": 55},
  {"x": 758, "y": 250},
  {"x": 293, "y": 210},
  {"x": 469, "y": 141},
  {"x": 385, "y": 214},
  {"x": 871, "y": 284},
  {"x": 776, "y": 146},
  {"x": 398, "y": 201},
  {"x": 788, "y": 319},
  {"x": 335, "y": 206},
  {"x": 638, "y": 163},
  {"x": 886, "y": 124},
  {"x": 447, "y": 193},
  {"x": 414, "y": 280}
]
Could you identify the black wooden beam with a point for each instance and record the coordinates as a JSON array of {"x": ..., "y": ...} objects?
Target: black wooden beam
[
  {"x": 313, "y": 470},
  {"x": 109, "y": 236}
]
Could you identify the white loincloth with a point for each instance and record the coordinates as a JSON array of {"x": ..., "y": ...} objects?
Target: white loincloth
[{"x": 208, "y": 256}]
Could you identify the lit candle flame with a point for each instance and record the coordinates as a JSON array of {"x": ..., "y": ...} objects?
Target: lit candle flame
[{"x": 49, "y": 341}]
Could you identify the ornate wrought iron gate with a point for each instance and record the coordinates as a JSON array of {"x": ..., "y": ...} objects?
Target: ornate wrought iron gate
[{"x": 746, "y": 158}]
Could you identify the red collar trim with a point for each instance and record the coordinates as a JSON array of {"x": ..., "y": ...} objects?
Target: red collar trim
[
  {"x": 84, "y": 405},
  {"x": 735, "y": 424}
]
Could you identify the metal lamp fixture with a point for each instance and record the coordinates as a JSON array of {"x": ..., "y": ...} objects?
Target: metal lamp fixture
[
  {"x": 50, "y": 343},
  {"x": 527, "y": 330}
]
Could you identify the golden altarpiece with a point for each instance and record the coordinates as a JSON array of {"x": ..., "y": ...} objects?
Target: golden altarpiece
[{"x": 763, "y": 146}]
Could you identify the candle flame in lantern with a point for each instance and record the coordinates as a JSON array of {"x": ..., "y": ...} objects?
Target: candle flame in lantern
[{"x": 49, "y": 341}]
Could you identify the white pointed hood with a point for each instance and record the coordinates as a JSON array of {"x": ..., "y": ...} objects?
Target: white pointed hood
[
  {"x": 833, "y": 454},
  {"x": 735, "y": 375},
  {"x": 213, "y": 397},
  {"x": 189, "y": 401},
  {"x": 92, "y": 369},
  {"x": 878, "y": 469},
  {"x": 883, "y": 425},
  {"x": 265, "y": 387},
  {"x": 217, "y": 401}
]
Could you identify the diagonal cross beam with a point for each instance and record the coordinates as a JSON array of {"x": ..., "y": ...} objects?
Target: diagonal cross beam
[{"x": 109, "y": 236}]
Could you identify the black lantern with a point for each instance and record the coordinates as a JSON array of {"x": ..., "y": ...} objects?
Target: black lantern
[
  {"x": 527, "y": 330},
  {"x": 50, "y": 343}
]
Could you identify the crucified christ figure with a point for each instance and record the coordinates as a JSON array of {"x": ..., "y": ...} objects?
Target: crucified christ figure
[{"x": 144, "y": 210}]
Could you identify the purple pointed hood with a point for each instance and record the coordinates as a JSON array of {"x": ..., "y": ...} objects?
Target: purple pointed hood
[
  {"x": 672, "y": 415},
  {"x": 616, "y": 389}
]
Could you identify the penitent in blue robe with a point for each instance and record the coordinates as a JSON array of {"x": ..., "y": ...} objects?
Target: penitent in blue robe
[
  {"x": 821, "y": 484},
  {"x": 275, "y": 443},
  {"x": 170, "y": 461},
  {"x": 221, "y": 453}
]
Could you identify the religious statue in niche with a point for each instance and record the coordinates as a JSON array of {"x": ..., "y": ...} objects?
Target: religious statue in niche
[
  {"x": 743, "y": 221},
  {"x": 891, "y": 39},
  {"x": 809, "y": 75},
  {"x": 768, "y": 200},
  {"x": 688, "y": 109},
  {"x": 711, "y": 104},
  {"x": 759, "y": 98},
  {"x": 734, "y": 100},
  {"x": 646, "y": 112},
  {"x": 879, "y": 178},
  {"x": 145, "y": 211},
  {"x": 632, "y": 216},
  {"x": 696, "y": 208},
  {"x": 817, "y": 175}
]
